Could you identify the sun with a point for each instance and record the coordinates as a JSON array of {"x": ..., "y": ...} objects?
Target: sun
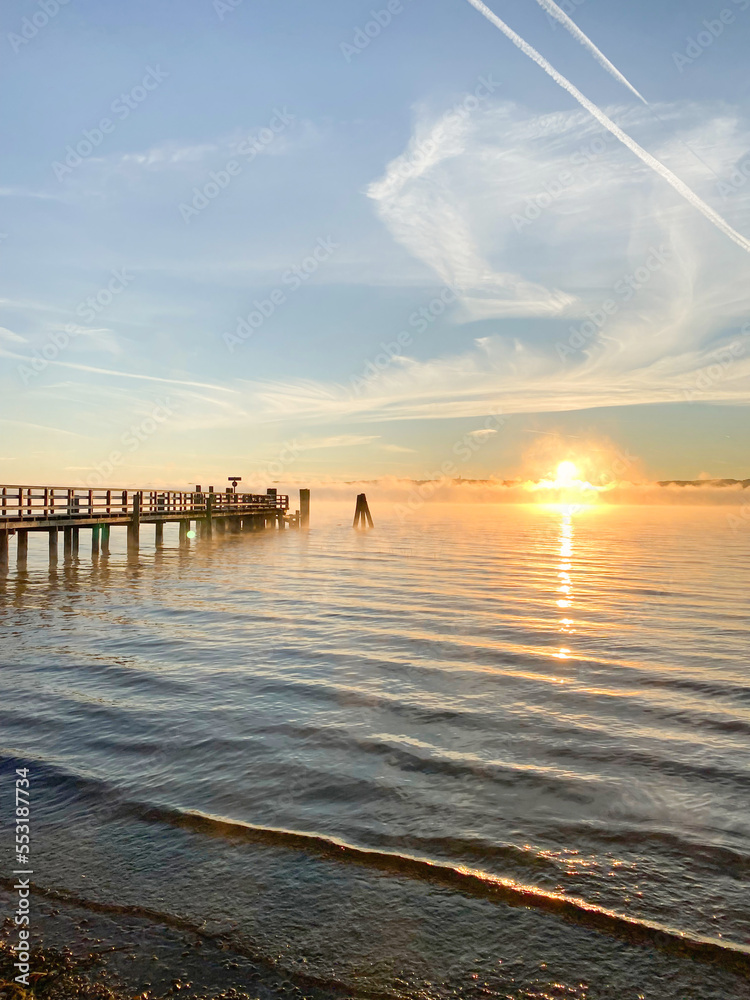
[
  {"x": 568, "y": 478},
  {"x": 567, "y": 474}
]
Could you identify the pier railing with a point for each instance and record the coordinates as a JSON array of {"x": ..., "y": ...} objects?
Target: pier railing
[{"x": 41, "y": 503}]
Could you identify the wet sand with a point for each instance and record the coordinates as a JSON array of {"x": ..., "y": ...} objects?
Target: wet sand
[{"x": 88, "y": 955}]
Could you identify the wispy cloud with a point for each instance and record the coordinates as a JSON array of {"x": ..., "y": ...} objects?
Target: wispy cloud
[
  {"x": 120, "y": 374},
  {"x": 166, "y": 161},
  {"x": 169, "y": 155},
  {"x": 40, "y": 427},
  {"x": 28, "y": 304},
  {"x": 664, "y": 323},
  {"x": 19, "y": 192},
  {"x": 421, "y": 214},
  {"x": 143, "y": 378},
  {"x": 337, "y": 441},
  {"x": 475, "y": 383},
  {"x": 99, "y": 339},
  {"x": 8, "y": 335}
]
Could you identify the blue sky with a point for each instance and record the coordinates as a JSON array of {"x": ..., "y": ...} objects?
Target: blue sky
[{"x": 237, "y": 239}]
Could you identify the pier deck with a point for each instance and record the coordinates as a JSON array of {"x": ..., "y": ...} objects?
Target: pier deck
[{"x": 51, "y": 508}]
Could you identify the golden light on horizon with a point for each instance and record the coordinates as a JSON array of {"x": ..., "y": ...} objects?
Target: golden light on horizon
[
  {"x": 580, "y": 470},
  {"x": 569, "y": 480}
]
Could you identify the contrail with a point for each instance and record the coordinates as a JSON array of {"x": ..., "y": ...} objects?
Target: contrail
[
  {"x": 559, "y": 15},
  {"x": 554, "y": 11},
  {"x": 656, "y": 165}
]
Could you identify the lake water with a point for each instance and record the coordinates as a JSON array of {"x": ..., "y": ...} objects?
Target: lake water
[{"x": 488, "y": 751}]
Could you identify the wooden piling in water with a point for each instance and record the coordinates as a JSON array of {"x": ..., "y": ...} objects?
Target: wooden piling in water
[
  {"x": 3, "y": 549},
  {"x": 304, "y": 508},
  {"x": 105, "y": 539},
  {"x": 22, "y": 546},
  {"x": 184, "y": 528},
  {"x": 362, "y": 518},
  {"x": 53, "y": 533},
  {"x": 159, "y": 533},
  {"x": 95, "y": 536},
  {"x": 134, "y": 527},
  {"x": 208, "y": 523}
]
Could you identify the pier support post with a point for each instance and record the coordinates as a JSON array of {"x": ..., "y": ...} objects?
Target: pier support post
[
  {"x": 3, "y": 549},
  {"x": 95, "y": 535},
  {"x": 75, "y": 532},
  {"x": 184, "y": 528},
  {"x": 208, "y": 523},
  {"x": 134, "y": 537},
  {"x": 67, "y": 543},
  {"x": 134, "y": 528},
  {"x": 105, "y": 539},
  {"x": 52, "y": 546},
  {"x": 159, "y": 533},
  {"x": 22, "y": 548},
  {"x": 304, "y": 508}
]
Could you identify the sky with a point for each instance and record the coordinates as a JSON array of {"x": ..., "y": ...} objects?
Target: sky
[{"x": 294, "y": 241}]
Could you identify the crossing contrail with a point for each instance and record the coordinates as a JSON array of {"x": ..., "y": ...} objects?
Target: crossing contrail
[
  {"x": 554, "y": 11},
  {"x": 559, "y": 15},
  {"x": 656, "y": 165}
]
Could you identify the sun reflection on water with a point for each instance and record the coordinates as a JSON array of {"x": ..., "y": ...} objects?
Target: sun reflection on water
[{"x": 565, "y": 587}]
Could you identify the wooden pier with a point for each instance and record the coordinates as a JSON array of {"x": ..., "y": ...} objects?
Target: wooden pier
[{"x": 54, "y": 509}]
